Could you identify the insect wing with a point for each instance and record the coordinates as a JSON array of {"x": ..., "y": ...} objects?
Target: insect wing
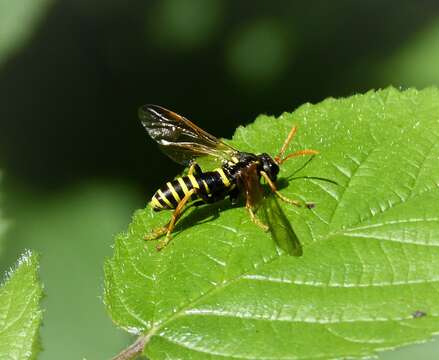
[
  {"x": 248, "y": 183},
  {"x": 179, "y": 138},
  {"x": 279, "y": 226}
]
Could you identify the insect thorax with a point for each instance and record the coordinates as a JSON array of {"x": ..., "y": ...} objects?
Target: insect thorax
[{"x": 264, "y": 162}]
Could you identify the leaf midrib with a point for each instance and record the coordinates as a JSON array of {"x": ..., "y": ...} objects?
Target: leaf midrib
[
  {"x": 23, "y": 311},
  {"x": 181, "y": 312},
  {"x": 207, "y": 294}
]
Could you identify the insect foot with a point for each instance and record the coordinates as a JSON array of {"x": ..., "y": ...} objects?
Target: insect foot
[
  {"x": 162, "y": 244},
  {"x": 156, "y": 233}
]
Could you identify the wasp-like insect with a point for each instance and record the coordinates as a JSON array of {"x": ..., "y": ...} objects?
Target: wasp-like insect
[{"x": 239, "y": 173}]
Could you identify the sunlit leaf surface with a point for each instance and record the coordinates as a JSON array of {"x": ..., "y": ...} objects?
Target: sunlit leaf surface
[
  {"x": 20, "y": 314},
  {"x": 367, "y": 279},
  {"x": 72, "y": 229}
]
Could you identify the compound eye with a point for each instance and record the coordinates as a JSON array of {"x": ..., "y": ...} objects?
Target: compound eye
[
  {"x": 268, "y": 168},
  {"x": 274, "y": 169}
]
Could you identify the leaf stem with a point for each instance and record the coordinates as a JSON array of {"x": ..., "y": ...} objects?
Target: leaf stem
[{"x": 134, "y": 349}]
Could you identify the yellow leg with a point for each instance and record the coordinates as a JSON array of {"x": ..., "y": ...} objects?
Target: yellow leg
[
  {"x": 170, "y": 226},
  {"x": 278, "y": 194},
  {"x": 156, "y": 233},
  {"x": 256, "y": 220}
]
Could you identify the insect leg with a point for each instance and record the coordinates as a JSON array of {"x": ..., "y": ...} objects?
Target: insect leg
[
  {"x": 255, "y": 219},
  {"x": 156, "y": 233},
  {"x": 175, "y": 216},
  {"x": 278, "y": 194}
]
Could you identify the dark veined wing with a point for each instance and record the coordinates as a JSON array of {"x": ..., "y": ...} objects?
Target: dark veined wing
[
  {"x": 279, "y": 226},
  {"x": 248, "y": 183},
  {"x": 179, "y": 138},
  {"x": 273, "y": 215}
]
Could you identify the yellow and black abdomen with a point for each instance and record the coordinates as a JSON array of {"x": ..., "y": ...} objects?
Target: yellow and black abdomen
[{"x": 208, "y": 184}]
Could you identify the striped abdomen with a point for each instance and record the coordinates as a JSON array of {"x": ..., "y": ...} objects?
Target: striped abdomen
[{"x": 208, "y": 184}]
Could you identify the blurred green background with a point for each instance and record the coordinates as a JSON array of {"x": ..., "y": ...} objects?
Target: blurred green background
[{"x": 75, "y": 161}]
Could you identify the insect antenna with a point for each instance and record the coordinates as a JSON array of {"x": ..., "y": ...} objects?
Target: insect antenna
[
  {"x": 280, "y": 158},
  {"x": 297, "y": 153}
]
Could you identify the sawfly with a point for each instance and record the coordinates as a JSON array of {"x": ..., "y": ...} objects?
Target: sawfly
[{"x": 238, "y": 174}]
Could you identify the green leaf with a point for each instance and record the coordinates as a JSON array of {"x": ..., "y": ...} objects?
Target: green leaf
[
  {"x": 368, "y": 277},
  {"x": 20, "y": 314},
  {"x": 73, "y": 229},
  {"x": 18, "y": 19}
]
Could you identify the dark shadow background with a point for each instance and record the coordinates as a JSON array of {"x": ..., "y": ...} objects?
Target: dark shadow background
[
  {"x": 69, "y": 98},
  {"x": 75, "y": 158}
]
